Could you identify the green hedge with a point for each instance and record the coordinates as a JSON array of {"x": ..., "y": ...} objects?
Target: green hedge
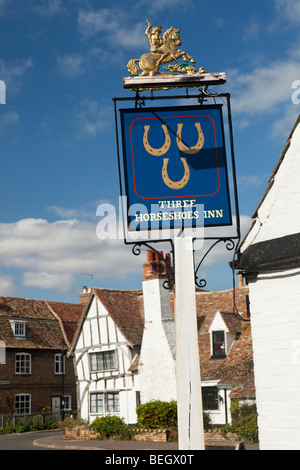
[
  {"x": 112, "y": 427},
  {"x": 243, "y": 421},
  {"x": 161, "y": 414},
  {"x": 157, "y": 414}
]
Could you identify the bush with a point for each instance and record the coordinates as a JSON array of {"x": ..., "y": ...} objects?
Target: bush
[
  {"x": 244, "y": 421},
  {"x": 161, "y": 414},
  {"x": 112, "y": 427},
  {"x": 28, "y": 423},
  {"x": 70, "y": 423},
  {"x": 157, "y": 414},
  {"x": 247, "y": 428}
]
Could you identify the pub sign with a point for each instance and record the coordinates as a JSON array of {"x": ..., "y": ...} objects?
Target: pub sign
[{"x": 175, "y": 168}]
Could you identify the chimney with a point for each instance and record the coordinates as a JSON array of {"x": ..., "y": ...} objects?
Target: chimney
[
  {"x": 85, "y": 295},
  {"x": 155, "y": 267},
  {"x": 159, "y": 334},
  {"x": 240, "y": 279}
]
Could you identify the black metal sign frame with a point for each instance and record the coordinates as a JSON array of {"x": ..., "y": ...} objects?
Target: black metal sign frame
[{"x": 231, "y": 242}]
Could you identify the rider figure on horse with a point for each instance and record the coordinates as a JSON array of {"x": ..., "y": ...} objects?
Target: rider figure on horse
[{"x": 156, "y": 42}]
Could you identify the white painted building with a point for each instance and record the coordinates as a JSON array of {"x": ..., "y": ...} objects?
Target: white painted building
[
  {"x": 158, "y": 345},
  {"x": 124, "y": 349},
  {"x": 270, "y": 260},
  {"x": 105, "y": 351}
]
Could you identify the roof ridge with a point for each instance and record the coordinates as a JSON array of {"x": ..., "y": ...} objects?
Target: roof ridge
[{"x": 61, "y": 324}]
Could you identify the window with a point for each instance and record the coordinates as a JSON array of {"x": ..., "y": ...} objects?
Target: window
[
  {"x": 104, "y": 360},
  {"x": 59, "y": 364},
  {"x": 18, "y": 328},
  {"x": 66, "y": 402},
  {"x": 23, "y": 363},
  {"x": 210, "y": 398},
  {"x": 96, "y": 403},
  {"x": 218, "y": 343},
  {"x": 23, "y": 404},
  {"x": 104, "y": 403}
]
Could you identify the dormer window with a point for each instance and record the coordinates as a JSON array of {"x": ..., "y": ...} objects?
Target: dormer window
[
  {"x": 221, "y": 339},
  {"x": 18, "y": 328},
  {"x": 218, "y": 344}
]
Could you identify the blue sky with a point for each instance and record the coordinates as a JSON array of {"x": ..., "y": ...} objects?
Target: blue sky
[{"x": 62, "y": 63}]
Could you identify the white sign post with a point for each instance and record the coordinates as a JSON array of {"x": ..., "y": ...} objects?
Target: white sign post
[{"x": 189, "y": 396}]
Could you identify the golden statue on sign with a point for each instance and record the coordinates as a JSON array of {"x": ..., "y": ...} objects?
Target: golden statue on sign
[{"x": 163, "y": 50}]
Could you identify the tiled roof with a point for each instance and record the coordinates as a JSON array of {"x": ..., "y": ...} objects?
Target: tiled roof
[
  {"x": 237, "y": 367},
  {"x": 70, "y": 315},
  {"x": 43, "y": 327},
  {"x": 125, "y": 307}
]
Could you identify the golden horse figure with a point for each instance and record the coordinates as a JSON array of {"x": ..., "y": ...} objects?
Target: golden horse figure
[{"x": 150, "y": 61}]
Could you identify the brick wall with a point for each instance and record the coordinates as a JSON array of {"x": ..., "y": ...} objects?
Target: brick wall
[{"x": 42, "y": 384}]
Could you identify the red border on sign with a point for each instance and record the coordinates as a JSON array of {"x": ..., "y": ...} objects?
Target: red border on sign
[{"x": 177, "y": 196}]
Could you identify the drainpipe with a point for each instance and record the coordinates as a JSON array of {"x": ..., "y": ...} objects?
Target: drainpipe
[{"x": 225, "y": 400}]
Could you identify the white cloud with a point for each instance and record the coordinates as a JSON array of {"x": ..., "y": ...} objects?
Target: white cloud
[
  {"x": 62, "y": 283},
  {"x": 92, "y": 118},
  {"x": 84, "y": 213},
  {"x": 71, "y": 65},
  {"x": 254, "y": 181},
  {"x": 7, "y": 119},
  {"x": 283, "y": 126},
  {"x": 116, "y": 25},
  {"x": 46, "y": 7},
  {"x": 159, "y": 5},
  {"x": 266, "y": 91},
  {"x": 290, "y": 9},
  {"x": 252, "y": 30},
  {"x": 12, "y": 72},
  {"x": 50, "y": 252},
  {"x": 7, "y": 286},
  {"x": 263, "y": 89}
]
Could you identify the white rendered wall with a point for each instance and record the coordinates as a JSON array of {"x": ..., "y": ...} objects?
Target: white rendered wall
[
  {"x": 275, "y": 322},
  {"x": 99, "y": 333},
  {"x": 278, "y": 216},
  {"x": 157, "y": 375}
]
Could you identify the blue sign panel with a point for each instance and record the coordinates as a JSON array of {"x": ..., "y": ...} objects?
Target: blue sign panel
[{"x": 175, "y": 167}]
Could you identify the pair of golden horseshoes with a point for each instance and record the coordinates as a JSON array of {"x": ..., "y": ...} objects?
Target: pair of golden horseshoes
[{"x": 165, "y": 147}]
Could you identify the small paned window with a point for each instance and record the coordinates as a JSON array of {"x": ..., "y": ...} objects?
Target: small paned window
[
  {"x": 104, "y": 360},
  {"x": 23, "y": 404},
  {"x": 104, "y": 403},
  {"x": 23, "y": 363},
  {"x": 67, "y": 402},
  {"x": 210, "y": 398},
  {"x": 59, "y": 363},
  {"x": 19, "y": 329},
  {"x": 218, "y": 343}
]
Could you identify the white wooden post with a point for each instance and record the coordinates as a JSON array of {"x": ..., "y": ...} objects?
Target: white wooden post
[{"x": 189, "y": 396}]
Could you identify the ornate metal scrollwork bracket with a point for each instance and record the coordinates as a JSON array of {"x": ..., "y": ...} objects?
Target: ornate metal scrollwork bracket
[{"x": 230, "y": 245}]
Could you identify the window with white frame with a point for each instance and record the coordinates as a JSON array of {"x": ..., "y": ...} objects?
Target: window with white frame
[
  {"x": 19, "y": 328},
  {"x": 104, "y": 403},
  {"x": 23, "y": 363},
  {"x": 218, "y": 343},
  {"x": 67, "y": 402},
  {"x": 23, "y": 403},
  {"x": 103, "y": 360},
  {"x": 59, "y": 363}
]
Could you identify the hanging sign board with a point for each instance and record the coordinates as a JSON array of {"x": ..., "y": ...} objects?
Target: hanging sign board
[{"x": 175, "y": 167}]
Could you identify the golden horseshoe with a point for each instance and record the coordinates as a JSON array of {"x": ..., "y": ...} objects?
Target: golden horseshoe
[
  {"x": 183, "y": 147},
  {"x": 162, "y": 150},
  {"x": 176, "y": 184}
]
